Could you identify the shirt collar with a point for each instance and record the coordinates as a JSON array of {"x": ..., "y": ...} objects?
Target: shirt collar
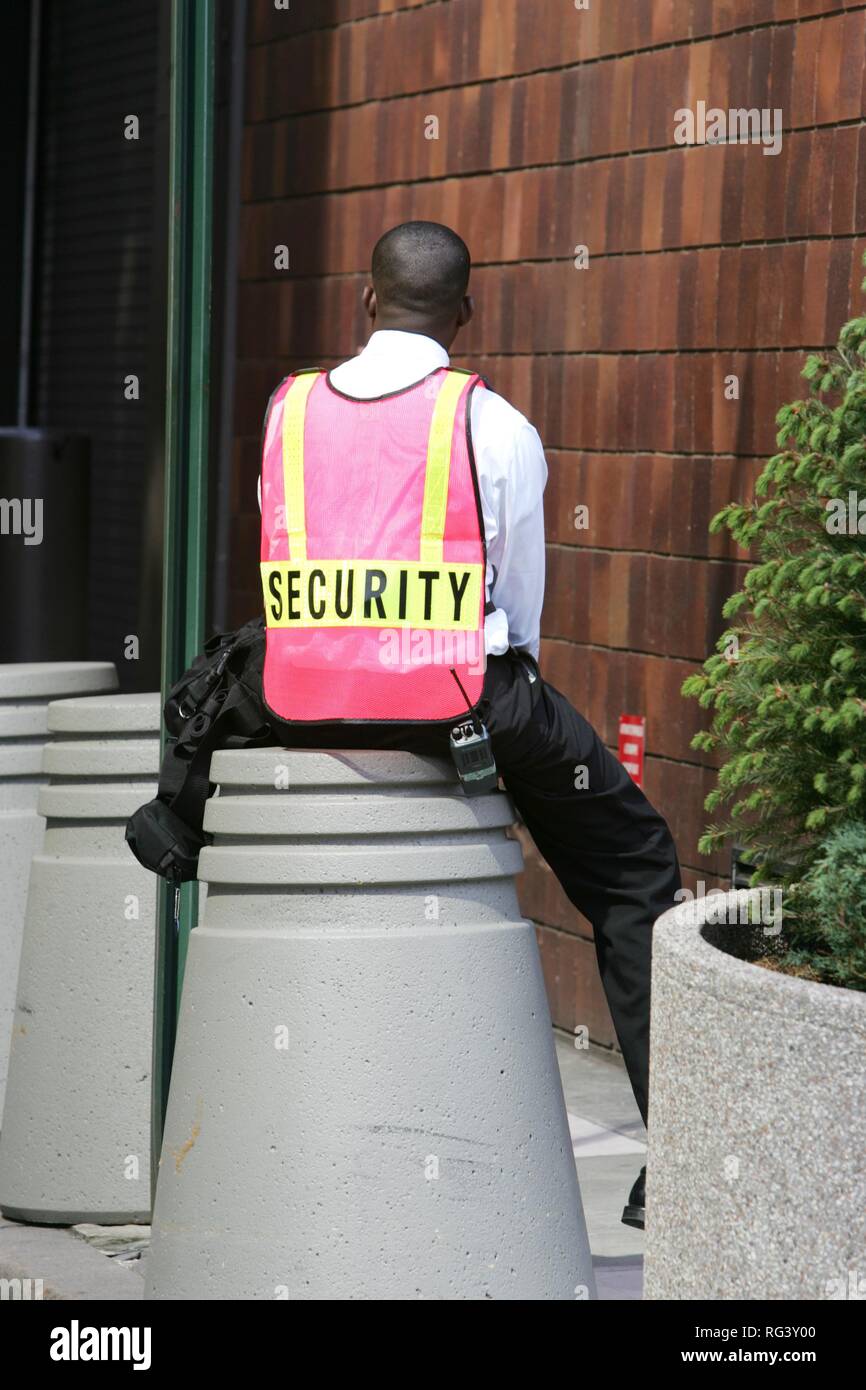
[{"x": 417, "y": 347}]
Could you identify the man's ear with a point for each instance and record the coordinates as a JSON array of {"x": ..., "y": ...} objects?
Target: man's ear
[
  {"x": 467, "y": 309},
  {"x": 368, "y": 299}
]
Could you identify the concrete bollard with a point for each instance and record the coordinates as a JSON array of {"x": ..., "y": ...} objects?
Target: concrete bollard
[
  {"x": 25, "y": 690},
  {"x": 365, "y": 1101},
  {"x": 75, "y": 1139}
]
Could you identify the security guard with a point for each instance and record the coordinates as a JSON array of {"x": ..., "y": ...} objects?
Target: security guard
[{"x": 403, "y": 577}]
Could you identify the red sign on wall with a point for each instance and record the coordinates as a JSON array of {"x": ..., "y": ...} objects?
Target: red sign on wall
[{"x": 632, "y": 742}]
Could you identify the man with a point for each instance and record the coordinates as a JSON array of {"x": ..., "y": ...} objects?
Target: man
[{"x": 611, "y": 851}]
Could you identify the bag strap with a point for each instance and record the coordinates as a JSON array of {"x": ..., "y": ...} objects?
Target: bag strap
[{"x": 185, "y": 774}]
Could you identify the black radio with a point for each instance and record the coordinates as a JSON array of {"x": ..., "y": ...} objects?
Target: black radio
[{"x": 472, "y": 752}]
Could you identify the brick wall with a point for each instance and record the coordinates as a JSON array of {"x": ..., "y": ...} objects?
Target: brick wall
[{"x": 556, "y": 129}]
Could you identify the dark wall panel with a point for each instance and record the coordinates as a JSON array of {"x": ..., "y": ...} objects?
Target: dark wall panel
[
  {"x": 99, "y": 308},
  {"x": 14, "y": 38}
]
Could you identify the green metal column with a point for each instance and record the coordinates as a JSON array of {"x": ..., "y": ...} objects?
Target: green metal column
[{"x": 186, "y": 473}]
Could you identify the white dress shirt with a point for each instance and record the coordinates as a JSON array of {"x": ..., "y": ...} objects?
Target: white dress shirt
[{"x": 512, "y": 472}]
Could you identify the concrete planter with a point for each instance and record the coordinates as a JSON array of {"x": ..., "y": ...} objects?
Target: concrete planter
[
  {"x": 365, "y": 1101},
  {"x": 756, "y": 1184},
  {"x": 75, "y": 1143},
  {"x": 25, "y": 691}
]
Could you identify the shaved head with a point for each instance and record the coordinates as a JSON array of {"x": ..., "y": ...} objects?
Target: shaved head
[{"x": 421, "y": 269}]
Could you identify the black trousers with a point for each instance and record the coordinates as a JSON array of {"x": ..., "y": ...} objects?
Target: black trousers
[
  {"x": 609, "y": 848},
  {"x": 611, "y": 851}
]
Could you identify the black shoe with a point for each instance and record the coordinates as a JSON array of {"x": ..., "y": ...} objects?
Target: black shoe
[{"x": 634, "y": 1212}]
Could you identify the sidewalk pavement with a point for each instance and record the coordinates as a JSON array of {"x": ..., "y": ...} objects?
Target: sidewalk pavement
[
  {"x": 99, "y": 1262},
  {"x": 68, "y": 1267},
  {"x": 610, "y": 1149}
]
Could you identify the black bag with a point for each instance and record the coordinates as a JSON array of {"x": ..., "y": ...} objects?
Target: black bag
[{"x": 217, "y": 703}]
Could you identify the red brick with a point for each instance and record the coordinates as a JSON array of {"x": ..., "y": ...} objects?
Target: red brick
[
  {"x": 578, "y": 1001},
  {"x": 821, "y": 186},
  {"x": 845, "y": 146},
  {"x": 803, "y": 80}
]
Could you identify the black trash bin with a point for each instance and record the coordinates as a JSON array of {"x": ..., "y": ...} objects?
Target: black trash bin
[{"x": 44, "y": 517}]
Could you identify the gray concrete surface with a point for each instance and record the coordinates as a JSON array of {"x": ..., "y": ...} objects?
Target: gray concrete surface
[
  {"x": 25, "y": 691},
  {"x": 365, "y": 1072},
  {"x": 756, "y": 1181},
  {"x": 610, "y": 1149},
  {"x": 69, "y": 1268},
  {"x": 80, "y": 1054},
  {"x": 609, "y": 1140}
]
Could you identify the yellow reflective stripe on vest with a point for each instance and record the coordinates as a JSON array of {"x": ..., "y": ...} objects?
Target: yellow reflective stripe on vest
[
  {"x": 439, "y": 468},
  {"x": 371, "y": 593},
  {"x": 294, "y": 413}
]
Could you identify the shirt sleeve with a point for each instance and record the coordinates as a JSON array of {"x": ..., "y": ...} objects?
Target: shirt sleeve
[{"x": 517, "y": 549}]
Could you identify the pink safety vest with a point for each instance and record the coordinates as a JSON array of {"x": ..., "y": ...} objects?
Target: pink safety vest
[{"x": 373, "y": 553}]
